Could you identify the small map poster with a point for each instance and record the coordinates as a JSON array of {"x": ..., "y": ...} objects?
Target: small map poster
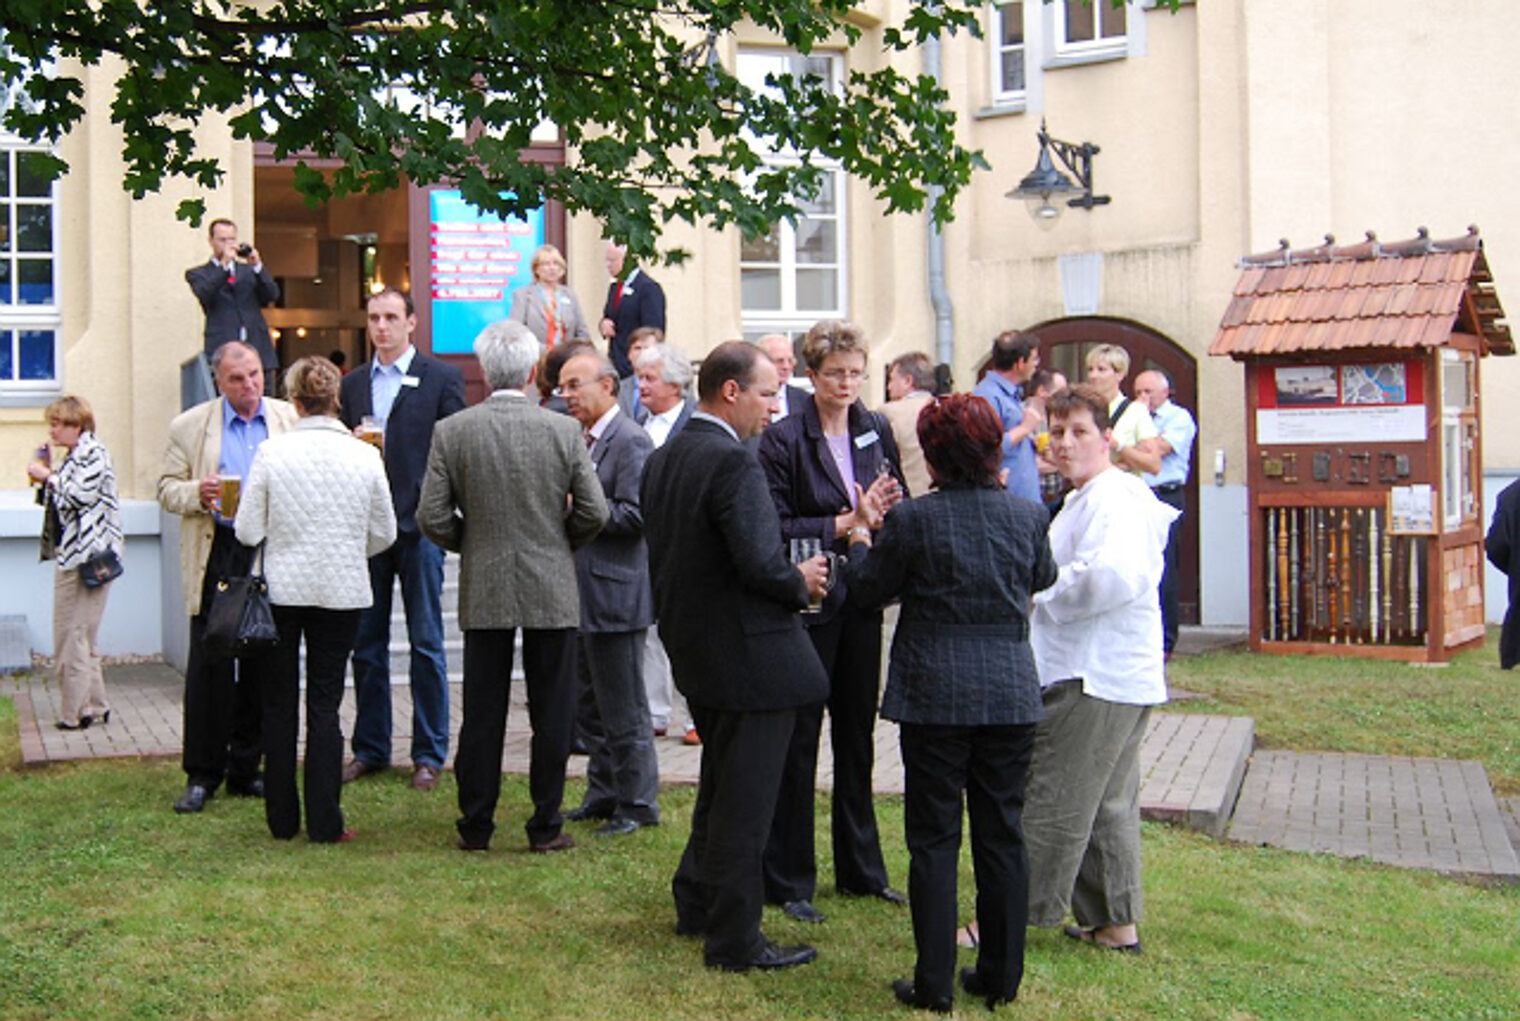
[{"x": 1377, "y": 402}]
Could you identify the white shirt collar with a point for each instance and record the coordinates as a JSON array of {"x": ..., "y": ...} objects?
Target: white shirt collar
[
  {"x": 401, "y": 365},
  {"x": 671, "y": 413},
  {"x": 600, "y": 425},
  {"x": 704, "y": 416},
  {"x": 509, "y": 392}
]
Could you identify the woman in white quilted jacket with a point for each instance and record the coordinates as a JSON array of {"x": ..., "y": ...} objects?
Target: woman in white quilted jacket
[{"x": 318, "y": 499}]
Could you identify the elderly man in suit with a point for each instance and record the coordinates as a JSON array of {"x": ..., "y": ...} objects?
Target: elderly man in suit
[
  {"x": 617, "y": 607},
  {"x": 664, "y": 379},
  {"x": 233, "y": 293},
  {"x": 211, "y": 440},
  {"x": 634, "y": 299},
  {"x": 408, "y": 393},
  {"x": 778, "y": 347},
  {"x": 511, "y": 488},
  {"x": 910, "y": 387},
  {"x": 729, "y": 599}
]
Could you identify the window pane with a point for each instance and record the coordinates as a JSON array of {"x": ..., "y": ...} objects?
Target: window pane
[
  {"x": 1013, "y": 71},
  {"x": 817, "y": 289},
  {"x": 817, "y": 67},
  {"x": 824, "y": 204},
  {"x": 817, "y": 241},
  {"x": 5, "y": 226},
  {"x": 5, "y": 281},
  {"x": 1079, "y": 20},
  {"x": 1011, "y": 17},
  {"x": 760, "y": 288},
  {"x": 36, "y": 281},
  {"x": 7, "y": 364},
  {"x": 34, "y": 228},
  {"x": 763, "y": 249},
  {"x": 37, "y": 354},
  {"x": 1112, "y": 19},
  {"x": 31, "y": 179},
  {"x": 5, "y": 175}
]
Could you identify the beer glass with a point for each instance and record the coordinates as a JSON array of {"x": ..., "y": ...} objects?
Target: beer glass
[
  {"x": 804, "y": 550},
  {"x": 230, "y": 490},
  {"x": 372, "y": 432}
]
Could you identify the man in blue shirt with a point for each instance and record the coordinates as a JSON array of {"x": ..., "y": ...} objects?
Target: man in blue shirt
[
  {"x": 1015, "y": 358},
  {"x": 1177, "y": 432}
]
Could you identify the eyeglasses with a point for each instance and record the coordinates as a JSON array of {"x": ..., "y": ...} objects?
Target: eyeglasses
[
  {"x": 569, "y": 387},
  {"x": 845, "y": 376}
]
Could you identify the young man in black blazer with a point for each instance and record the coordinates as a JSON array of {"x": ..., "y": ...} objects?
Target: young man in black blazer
[
  {"x": 232, "y": 293},
  {"x": 409, "y": 393},
  {"x": 728, "y": 599}
]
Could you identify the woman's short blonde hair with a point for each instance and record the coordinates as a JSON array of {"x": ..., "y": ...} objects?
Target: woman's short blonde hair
[
  {"x": 71, "y": 410},
  {"x": 1112, "y": 355},
  {"x": 832, "y": 337},
  {"x": 546, "y": 252},
  {"x": 312, "y": 385}
]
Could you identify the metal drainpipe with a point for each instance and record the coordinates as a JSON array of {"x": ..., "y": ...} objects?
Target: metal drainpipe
[{"x": 939, "y": 296}]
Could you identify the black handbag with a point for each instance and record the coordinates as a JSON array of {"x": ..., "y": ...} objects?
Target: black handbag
[
  {"x": 241, "y": 620},
  {"x": 101, "y": 568}
]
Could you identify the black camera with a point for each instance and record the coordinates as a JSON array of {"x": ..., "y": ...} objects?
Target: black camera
[{"x": 244, "y": 250}]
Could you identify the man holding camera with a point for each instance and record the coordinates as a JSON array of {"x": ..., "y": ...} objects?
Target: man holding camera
[{"x": 232, "y": 293}]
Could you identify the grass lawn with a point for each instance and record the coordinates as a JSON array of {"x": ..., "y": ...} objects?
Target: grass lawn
[
  {"x": 113, "y": 906},
  {"x": 1469, "y": 709}
]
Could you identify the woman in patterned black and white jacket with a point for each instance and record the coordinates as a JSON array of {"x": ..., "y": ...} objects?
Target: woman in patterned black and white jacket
[
  {"x": 318, "y": 499},
  {"x": 84, "y": 519}
]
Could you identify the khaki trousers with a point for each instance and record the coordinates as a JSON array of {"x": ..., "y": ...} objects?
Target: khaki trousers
[
  {"x": 76, "y": 622},
  {"x": 1082, "y": 810}
]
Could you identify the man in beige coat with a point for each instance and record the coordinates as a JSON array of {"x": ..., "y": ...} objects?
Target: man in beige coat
[
  {"x": 910, "y": 387},
  {"x": 510, "y": 487},
  {"x": 212, "y": 440}
]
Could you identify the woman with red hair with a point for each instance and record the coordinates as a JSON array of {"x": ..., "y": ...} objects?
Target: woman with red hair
[{"x": 964, "y": 560}]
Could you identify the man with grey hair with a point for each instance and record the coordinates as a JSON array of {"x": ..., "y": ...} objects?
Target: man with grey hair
[
  {"x": 665, "y": 377},
  {"x": 910, "y": 387},
  {"x": 510, "y": 487},
  {"x": 778, "y": 347}
]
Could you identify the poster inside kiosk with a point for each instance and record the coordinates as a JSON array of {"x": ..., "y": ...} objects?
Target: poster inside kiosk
[
  {"x": 1380, "y": 402},
  {"x": 477, "y": 260}
]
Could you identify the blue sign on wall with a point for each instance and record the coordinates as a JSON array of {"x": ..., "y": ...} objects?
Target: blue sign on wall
[{"x": 477, "y": 260}]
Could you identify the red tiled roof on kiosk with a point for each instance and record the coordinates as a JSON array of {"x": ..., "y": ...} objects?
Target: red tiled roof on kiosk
[{"x": 1402, "y": 294}]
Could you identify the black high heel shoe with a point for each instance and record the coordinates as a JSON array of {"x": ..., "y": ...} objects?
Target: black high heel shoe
[{"x": 83, "y": 724}]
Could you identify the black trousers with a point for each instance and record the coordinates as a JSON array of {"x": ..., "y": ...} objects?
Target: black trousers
[
  {"x": 549, "y": 664},
  {"x": 850, "y": 649},
  {"x": 329, "y": 638},
  {"x": 990, "y": 764},
  {"x": 222, "y": 696},
  {"x": 718, "y": 887},
  {"x": 1173, "y": 498}
]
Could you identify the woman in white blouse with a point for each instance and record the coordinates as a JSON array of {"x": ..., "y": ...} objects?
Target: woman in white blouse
[
  {"x": 1097, "y": 641},
  {"x": 318, "y": 499}
]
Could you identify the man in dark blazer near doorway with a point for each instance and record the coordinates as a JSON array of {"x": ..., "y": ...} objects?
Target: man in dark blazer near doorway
[
  {"x": 728, "y": 600},
  {"x": 634, "y": 299},
  {"x": 409, "y": 393},
  {"x": 233, "y": 294}
]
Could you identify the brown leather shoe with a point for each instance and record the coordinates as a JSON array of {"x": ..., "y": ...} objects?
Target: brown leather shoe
[
  {"x": 358, "y": 767},
  {"x": 563, "y": 842},
  {"x": 424, "y": 778}
]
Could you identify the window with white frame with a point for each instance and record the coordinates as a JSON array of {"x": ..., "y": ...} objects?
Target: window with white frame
[
  {"x": 1461, "y": 479},
  {"x": 1006, "y": 38},
  {"x": 1090, "y": 28},
  {"x": 794, "y": 274},
  {"x": 31, "y": 317}
]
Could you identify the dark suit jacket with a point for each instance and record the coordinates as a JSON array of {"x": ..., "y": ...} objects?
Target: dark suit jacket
[
  {"x": 965, "y": 563},
  {"x": 1504, "y": 553},
  {"x": 613, "y": 571},
  {"x": 805, "y": 485},
  {"x": 796, "y": 397},
  {"x": 232, "y": 308},
  {"x": 409, "y": 430},
  {"x": 642, "y": 304},
  {"x": 510, "y": 488},
  {"x": 726, "y": 593}
]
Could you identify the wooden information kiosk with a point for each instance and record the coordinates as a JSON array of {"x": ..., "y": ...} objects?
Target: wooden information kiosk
[{"x": 1365, "y": 468}]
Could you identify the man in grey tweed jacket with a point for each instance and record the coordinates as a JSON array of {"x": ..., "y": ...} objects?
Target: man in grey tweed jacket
[{"x": 510, "y": 487}]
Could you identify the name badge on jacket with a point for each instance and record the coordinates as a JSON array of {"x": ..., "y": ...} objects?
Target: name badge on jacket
[{"x": 865, "y": 439}]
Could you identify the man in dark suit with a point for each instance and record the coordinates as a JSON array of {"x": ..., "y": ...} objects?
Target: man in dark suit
[
  {"x": 406, "y": 393},
  {"x": 634, "y": 299},
  {"x": 728, "y": 598},
  {"x": 1503, "y": 546},
  {"x": 778, "y": 346},
  {"x": 617, "y": 607},
  {"x": 232, "y": 294},
  {"x": 510, "y": 487}
]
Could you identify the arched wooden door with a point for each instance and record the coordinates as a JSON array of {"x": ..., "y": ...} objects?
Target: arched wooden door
[{"x": 1064, "y": 344}]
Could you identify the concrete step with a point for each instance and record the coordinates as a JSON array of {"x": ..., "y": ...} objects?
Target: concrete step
[{"x": 1191, "y": 769}]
